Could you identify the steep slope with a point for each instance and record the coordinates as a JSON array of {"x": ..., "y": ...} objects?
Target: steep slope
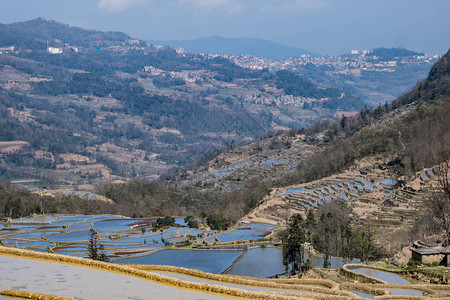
[
  {"x": 379, "y": 161},
  {"x": 382, "y": 169}
]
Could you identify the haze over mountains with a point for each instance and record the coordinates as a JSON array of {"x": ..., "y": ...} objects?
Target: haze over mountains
[
  {"x": 86, "y": 105},
  {"x": 83, "y": 106},
  {"x": 243, "y": 46}
]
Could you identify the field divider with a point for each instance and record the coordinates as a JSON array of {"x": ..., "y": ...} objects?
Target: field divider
[
  {"x": 322, "y": 286},
  {"x": 236, "y": 260},
  {"x": 346, "y": 271}
]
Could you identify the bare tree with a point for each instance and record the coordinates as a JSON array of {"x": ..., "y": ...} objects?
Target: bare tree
[{"x": 438, "y": 204}]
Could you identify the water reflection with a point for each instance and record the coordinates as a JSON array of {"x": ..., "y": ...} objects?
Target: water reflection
[
  {"x": 266, "y": 262},
  {"x": 211, "y": 261},
  {"x": 390, "y": 278}
]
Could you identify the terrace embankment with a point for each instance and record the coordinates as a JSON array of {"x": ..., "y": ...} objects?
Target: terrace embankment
[
  {"x": 30, "y": 295},
  {"x": 312, "y": 285},
  {"x": 376, "y": 286}
]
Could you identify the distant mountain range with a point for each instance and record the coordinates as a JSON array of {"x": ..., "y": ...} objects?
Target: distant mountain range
[{"x": 248, "y": 46}]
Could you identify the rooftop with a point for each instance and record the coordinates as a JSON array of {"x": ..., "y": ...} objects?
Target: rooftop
[{"x": 431, "y": 250}]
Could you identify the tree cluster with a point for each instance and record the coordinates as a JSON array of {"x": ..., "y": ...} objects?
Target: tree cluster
[{"x": 331, "y": 233}]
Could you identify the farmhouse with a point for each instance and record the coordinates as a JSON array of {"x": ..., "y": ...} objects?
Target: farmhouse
[{"x": 430, "y": 255}]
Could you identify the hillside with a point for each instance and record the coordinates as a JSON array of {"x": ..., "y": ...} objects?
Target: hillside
[
  {"x": 381, "y": 163},
  {"x": 242, "y": 46},
  {"x": 378, "y": 76},
  {"x": 393, "y": 53},
  {"x": 376, "y": 167},
  {"x": 96, "y": 106}
]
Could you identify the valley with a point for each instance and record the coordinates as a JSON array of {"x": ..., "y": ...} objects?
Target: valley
[
  {"x": 190, "y": 170},
  {"x": 113, "y": 108}
]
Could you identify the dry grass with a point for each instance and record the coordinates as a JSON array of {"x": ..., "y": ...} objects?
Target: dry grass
[{"x": 30, "y": 295}]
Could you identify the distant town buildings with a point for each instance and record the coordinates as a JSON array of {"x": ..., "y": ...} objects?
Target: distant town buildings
[
  {"x": 7, "y": 49},
  {"x": 353, "y": 63}
]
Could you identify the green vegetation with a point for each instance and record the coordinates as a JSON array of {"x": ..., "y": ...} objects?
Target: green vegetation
[
  {"x": 217, "y": 222},
  {"x": 391, "y": 53},
  {"x": 331, "y": 234},
  {"x": 165, "y": 222},
  {"x": 191, "y": 222},
  {"x": 293, "y": 239},
  {"x": 165, "y": 81},
  {"x": 295, "y": 85},
  {"x": 16, "y": 203},
  {"x": 139, "y": 199},
  {"x": 95, "y": 249}
]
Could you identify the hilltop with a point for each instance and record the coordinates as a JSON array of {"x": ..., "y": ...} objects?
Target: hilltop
[{"x": 241, "y": 46}]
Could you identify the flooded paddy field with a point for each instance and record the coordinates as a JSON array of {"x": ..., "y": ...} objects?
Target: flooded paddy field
[
  {"x": 405, "y": 292},
  {"x": 250, "y": 262},
  {"x": 127, "y": 240},
  {"x": 211, "y": 261},
  {"x": 388, "y": 277},
  {"x": 84, "y": 283},
  {"x": 132, "y": 241},
  {"x": 242, "y": 234}
]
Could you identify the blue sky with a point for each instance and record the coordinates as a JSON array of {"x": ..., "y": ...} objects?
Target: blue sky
[{"x": 322, "y": 26}]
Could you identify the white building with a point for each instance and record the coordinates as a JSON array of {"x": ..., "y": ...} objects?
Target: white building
[{"x": 53, "y": 50}]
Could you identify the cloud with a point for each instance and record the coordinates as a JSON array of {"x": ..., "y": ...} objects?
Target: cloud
[
  {"x": 262, "y": 6},
  {"x": 226, "y": 7},
  {"x": 294, "y": 6},
  {"x": 117, "y": 5},
  {"x": 208, "y": 4}
]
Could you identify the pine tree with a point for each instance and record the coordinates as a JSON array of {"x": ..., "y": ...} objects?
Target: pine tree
[{"x": 95, "y": 249}]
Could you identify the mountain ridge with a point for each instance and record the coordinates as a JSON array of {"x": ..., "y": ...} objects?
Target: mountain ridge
[{"x": 244, "y": 46}]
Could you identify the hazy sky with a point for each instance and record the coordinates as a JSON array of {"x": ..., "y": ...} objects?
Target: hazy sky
[{"x": 322, "y": 26}]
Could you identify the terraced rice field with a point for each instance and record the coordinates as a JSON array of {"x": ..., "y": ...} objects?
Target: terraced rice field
[
  {"x": 125, "y": 241},
  {"x": 244, "y": 287},
  {"x": 383, "y": 200},
  {"x": 385, "y": 276},
  {"x": 85, "y": 279}
]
